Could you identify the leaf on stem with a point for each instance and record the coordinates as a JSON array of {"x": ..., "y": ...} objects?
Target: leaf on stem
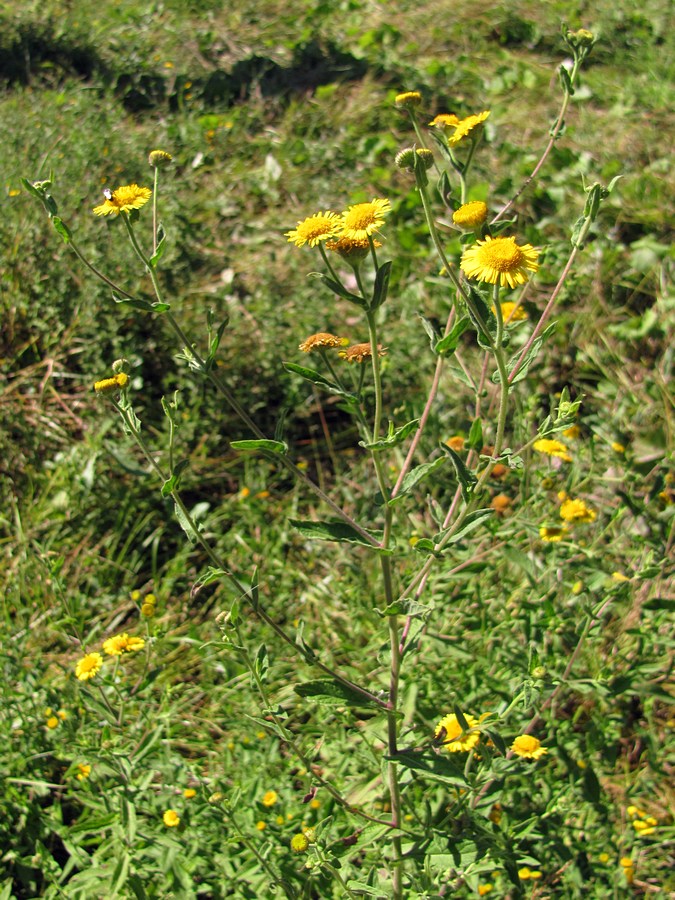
[
  {"x": 393, "y": 437},
  {"x": 264, "y": 444},
  {"x": 448, "y": 344},
  {"x": 467, "y": 479},
  {"x": 415, "y": 476},
  {"x": 341, "y": 291},
  {"x": 340, "y": 532},
  {"x": 381, "y": 285},
  {"x": 329, "y": 692},
  {"x": 317, "y": 378}
]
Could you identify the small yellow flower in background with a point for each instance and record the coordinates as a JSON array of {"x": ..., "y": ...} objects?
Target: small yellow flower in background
[
  {"x": 112, "y": 385},
  {"x": 159, "y": 159},
  {"x": 496, "y": 814},
  {"x": 619, "y": 576},
  {"x": 456, "y": 443},
  {"x": 408, "y": 99},
  {"x": 52, "y": 722},
  {"x": 123, "y": 199},
  {"x": 62, "y": 714},
  {"x": 122, "y": 643},
  {"x": 135, "y": 596},
  {"x": 270, "y": 798},
  {"x": 500, "y": 503},
  {"x": 470, "y": 215},
  {"x": 322, "y": 339},
  {"x": 147, "y": 610},
  {"x": 603, "y": 858},
  {"x": 484, "y": 889},
  {"x": 572, "y": 433},
  {"x": 88, "y": 666},
  {"x": 635, "y": 811},
  {"x": 525, "y": 874},
  {"x": 454, "y": 739},
  {"x": 617, "y": 447},
  {"x": 626, "y": 862},
  {"x": 361, "y": 352},
  {"x": 171, "y": 818},
  {"x": 352, "y": 250},
  {"x": 261, "y": 735},
  {"x": 500, "y": 261},
  {"x": 261, "y": 826},
  {"x": 577, "y": 587},
  {"x": 189, "y": 793},
  {"x": 314, "y": 229},
  {"x": 552, "y": 533},
  {"x": 466, "y": 126},
  {"x": 299, "y": 843},
  {"x": 280, "y": 820},
  {"x": 364, "y": 219},
  {"x": 642, "y": 827},
  {"x": 315, "y": 804},
  {"x": 528, "y": 747},
  {"x": 552, "y": 448},
  {"x": 444, "y": 120},
  {"x": 512, "y": 312},
  {"x": 215, "y": 798},
  {"x": 576, "y": 511},
  {"x": 83, "y": 771}
]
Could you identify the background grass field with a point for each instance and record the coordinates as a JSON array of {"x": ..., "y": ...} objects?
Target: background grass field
[{"x": 272, "y": 112}]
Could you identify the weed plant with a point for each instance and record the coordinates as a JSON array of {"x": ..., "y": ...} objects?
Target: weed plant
[{"x": 435, "y": 637}]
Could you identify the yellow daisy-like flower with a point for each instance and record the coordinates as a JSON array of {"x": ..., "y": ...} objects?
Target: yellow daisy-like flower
[
  {"x": 552, "y": 448},
  {"x": 512, "y": 312},
  {"x": 171, "y": 818},
  {"x": 270, "y": 798},
  {"x": 576, "y": 511},
  {"x": 454, "y": 738},
  {"x": 408, "y": 99},
  {"x": 52, "y": 722},
  {"x": 643, "y": 828},
  {"x": 112, "y": 385},
  {"x": 360, "y": 352},
  {"x": 500, "y": 261},
  {"x": 456, "y": 443},
  {"x": 83, "y": 771},
  {"x": 122, "y": 643},
  {"x": 552, "y": 533},
  {"x": 299, "y": 843},
  {"x": 322, "y": 339},
  {"x": 363, "y": 219},
  {"x": 88, "y": 666},
  {"x": 466, "y": 126},
  {"x": 484, "y": 889},
  {"x": 261, "y": 826},
  {"x": 314, "y": 229},
  {"x": 123, "y": 199},
  {"x": 528, "y": 747},
  {"x": 470, "y": 215},
  {"x": 189, "y": 793},
  {"x": 351, "y": 249},
  {"x": 572, "y": 433},
  {"x": 444, "y": 120}
]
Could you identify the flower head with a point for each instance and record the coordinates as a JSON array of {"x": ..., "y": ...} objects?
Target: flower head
[
  {"x": 576, "y": 511},
  {"x": 159, "y": 159},
  {"x": 500, "y": 261},
  {"x": 444, "y": 121},
  {"x": 552, "y": 533},
  {"x": 352, "y": 250},
  {"x": 112, "y": 385},
  {"x": 453, "y": 736},
  {"x": 363, "y": 219},
  {"x": 270, "y": 798},
  {"x": 470, "y": 215},
  {"x": 361, "y": 352},
  {"x": 528, "y": 747},
  {"x": 189, "y": 793},
  {"x": 88, "y": 666},
  {"x": 171, "y": 818},
  {"x": 465, "y": 126},
  {"x": 52, "y": 722},
  {"x": 123, "y": 199},
  {"x": 314, "y": 229},
  {"x": 322, "y": 339},
  {"x": 408, "y": 99},
  {"x": 299, "y": 843},
  {"x": 512, "y": 312},
  {"x": 122, "y": 643},
  {"x": 552, "y": 448},
  {"x": 83, "y": 771},
  {"x": 572, "y": 433}
]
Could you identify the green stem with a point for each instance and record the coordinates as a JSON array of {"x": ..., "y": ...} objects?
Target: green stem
[
  {"x": 334, "y": 872},
  {"x": 154, "y": 211}
]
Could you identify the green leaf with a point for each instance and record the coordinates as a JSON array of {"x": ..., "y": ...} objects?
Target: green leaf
[
  {"x": 415, "y": 476},
  {"x": 381, "y": 285},
  {"x": 467, "y": 479},
  {"x": 481, "y": 315},
  {"x": 161, "y": 247},
  {"x": 330, "y": 692},
  {"x": 266, "y": 445},
  {"x": 315, "y": 378},
  {"x": 360, "y": 887},
  {"x": 393, "y": 437},
  {"x": 147, "y": 743},
  {"x": 448, "y": 344},
  {"x": 261, "y": 664},
  {"x": 62, "y": 229},
  {"x": 212, "y": 574},
  {"x": 530, "y": 357},
  {"x": 133, "y": 302},
  {"x": 185, "y": 523},
  {"x": 566, "y": 81},
  {"x": 438, "y": 768},
  {"x": 128, "y": 817},
  {"x": 591, "y": 786},
  {"x": 470, "y": 523},
  {"x": 33, "y": 190},
  {"x": 412, "y": 608},
  {"x": 120, "y": 875},
  {"x": 475, "y": 440},
  {"x": 341, "y": 291},
  {"x": 338, "y": 531},
  {"x": 158, "y": 307}
]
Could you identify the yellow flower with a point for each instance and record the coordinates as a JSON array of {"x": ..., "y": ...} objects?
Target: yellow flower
[
  {"x": 360, "y": 352},
  {"x": 525, "y": 874},
  {"x": 171, "y": 818},
  {"x": 363, "y": 219},
  {"x": 643, "y": 828},
  {"x": 470, "y": 215},
  {"x": 408, "y": 99},
  {"x": 619, "y": 576},
  {"x": 465, "y": 126},
  {"x": 261, "y": 826},
  {"x": 572, "y": 433},
  {"x": 123, "y": 199},
  {"x": 500, "y": 261},
  {"x": 147, "y": 610},
  {"x": 88, "y": 666},
  {"x": 62, "y": 714},
  {"x": 270, "y": 798},
  {"x": 528, "y": 747},
  {"x": 626, "y": 862},
  {"x": 603, "y": 858},
  {"x": 352, "y": 250},
  {"x": 454, "y": 739},
  {"x": 189, "y": 793},
  {"x": 299, "y": 843},
  {"x": 315, "y": 804},
  {"x": 322, "y": 339},
  {"x": 83, "y": 771},
  {"x": 484, "y": 889},
  {"x": 122, "y": 643},
  {"x": 511, "y": 312},
  {"x": 444, "y": 120},
  {"x": 577, "y": 588},
  {"x": 52, "y": 722},
  {"x": 112, "y": 385},
  {"x": 576, "y": 511},
  {"x": 456, "y": 443},
  {"x": 314, "y": 229},
  {"x": 617, "y": 447},
  {"x": 552, "y": 448},
  {"x": 552, "y": 534}
]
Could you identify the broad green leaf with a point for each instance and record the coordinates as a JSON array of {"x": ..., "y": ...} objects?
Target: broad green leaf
[
  {"x": 381, "y": 285},
  {"x": 330, "y": 692},
  {"x": 161, "y": 247},
  {"x": 467, "y": 479},
  {"x": 393, "y": 437},
  {"x": 412, "y": 608},
  {"x": 266, "y": 445},
  {"x": 120, "y": 875},
  {"x": 415, "y": 476},
  {"x": 438, "y": 768},
  {"x": 133, "y": 302},
  {"x": 341, "y": 532},
  {"x": 62, "y": 229},
  {"x": 475, "y": 439},
  {"x": 184, "y": 523},
  {"x": 447, "y": 345},
  {"x": 343, "y": 292},
  {"x": 470, "y": 523},
  {"x": 530, "y": 357},
  {"x": 482, "y": 317}
]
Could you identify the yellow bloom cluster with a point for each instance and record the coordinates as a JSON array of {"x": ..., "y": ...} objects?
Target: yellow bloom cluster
[
  {"x": 457, "y": 129},
  {"x": 112, "y": 385},
  {"x": 500, "y": 261},
  {"x": 356, "y": 224},
  {"x": 122, "y": 643},
  {"x": 552, "y": 448},
  {"x": 528, "y": 747},
  {"x": 641, "y": 821}
]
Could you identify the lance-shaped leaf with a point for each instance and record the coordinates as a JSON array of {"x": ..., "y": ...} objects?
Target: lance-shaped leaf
[
  {"x": 447, "y": 345},
  {"x": 467, "y": 479},
  {"x": 415, "y": 476},
  {"x": 316, "y": 378},
  {"x": 340, "y": 532},
  {"x": 412, "y": 608},
  {"x": 330, "y": 692},
  {"x": 263, "y": 444},
  {"x": 470, "y": 523},
  {"x": 482, "y": 317},
  {"x": 528, "y": 359},
  {"x": 341, "y": 291},
  {"x": 62, "y": 229},
  {"x": 381, "y": 285},
  {"x": 393, "y": 437},
  {"x": 161, "y": 247}
]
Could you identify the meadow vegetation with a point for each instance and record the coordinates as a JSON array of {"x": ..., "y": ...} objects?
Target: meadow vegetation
[{"x": 336, "y": 569}]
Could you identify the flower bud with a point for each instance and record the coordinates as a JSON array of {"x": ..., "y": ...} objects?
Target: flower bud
[
  {"x": 405, "y": 159},
  {"x": 408, "y": 100},
  {"x": 425, "y": 157},
  {"x": 159, "y": 159}
]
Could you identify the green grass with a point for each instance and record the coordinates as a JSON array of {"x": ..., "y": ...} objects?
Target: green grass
[{"x": 272, "y": 113}]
